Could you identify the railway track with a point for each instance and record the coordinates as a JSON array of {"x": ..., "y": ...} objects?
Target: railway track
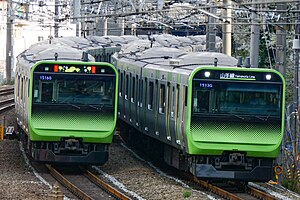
[
  {"x": 6, "y": 91},
  {"x": 86, "y": 185},
  {"x": 226, "y": 192},
  {"x": 7, "y": 104}
]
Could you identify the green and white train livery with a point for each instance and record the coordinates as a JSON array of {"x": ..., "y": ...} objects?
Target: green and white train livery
[
  {"x": 214, "y": 119},
  {"x": 66, "y": 108}
]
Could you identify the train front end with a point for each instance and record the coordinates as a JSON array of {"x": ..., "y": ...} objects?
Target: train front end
[
  {"x": 73, "y": 111},
  {"x": 235, "y": 122}
]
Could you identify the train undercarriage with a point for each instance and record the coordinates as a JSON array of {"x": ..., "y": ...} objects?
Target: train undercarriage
[
  {"x": 66, "y": 151},
  {"x": 235, "y": 166}
]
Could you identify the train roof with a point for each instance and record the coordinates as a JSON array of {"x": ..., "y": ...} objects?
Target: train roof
[
  {"x": 43, "y": 51},
  {"x": 72, "y": 41},
  {"x": 176, "y": 60},
  {"x": 137, "y": 46}
]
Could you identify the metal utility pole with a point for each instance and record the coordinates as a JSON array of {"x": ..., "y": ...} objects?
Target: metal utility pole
[
  {"x": 255, "y": 33},
  {"x": 77, "y": 16},
  {"x": 281, "y": 44},
  {"x": 227, "y": 27},
  {"x": 211, "y": 27},
  {"x": 56, "y": 17},
  {"x": 122, "y": 26},
  {"x": 105, "y": 24},
  {"x": 296, "y": 47},
  {"x": 9, "y": 46}
]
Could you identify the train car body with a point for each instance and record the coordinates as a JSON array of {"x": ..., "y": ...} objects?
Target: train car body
[
  {"x": 214, "y": 119},
  {"x": 66, "y": 108}
]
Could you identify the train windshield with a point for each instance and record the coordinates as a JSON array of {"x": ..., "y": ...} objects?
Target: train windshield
[
  {"x": 236, "y": 99},
  {"x": 77, "y": 91}
]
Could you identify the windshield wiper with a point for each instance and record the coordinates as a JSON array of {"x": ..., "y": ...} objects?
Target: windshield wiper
[
  {"x": 240, "y": 117},
  {"x": 97, "y": 108},
  {"x": 74, "y": 106},
  {"x": 262, "y": 118}
]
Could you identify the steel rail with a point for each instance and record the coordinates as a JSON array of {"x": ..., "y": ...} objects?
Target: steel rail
[
  {"x": 75, "y": 190},
  {"x": 6, "y": 91},
  {"x": 7, "y": 101},
  {"x": 216, "y": 190},
  {"x": 259, "y": 194},
  {"x": 92, "y": 177},
  {"x": 227, "y": 195}
]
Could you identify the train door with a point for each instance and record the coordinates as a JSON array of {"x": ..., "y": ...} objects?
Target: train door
[
  {"x": 137, "y": 101},
  {"x": 133, "y": 99},
  {"x": 140, "y": 103},
  {"x": 17, "y": 93},
  {"x": 143, "y": 105},
  {"x": 171, "y": 116},
  {"x": 156, "y": 108},
  {"x": 177, "y": 113},
  {"x": 127, "y": 114},
  {"x": 122, "y": 95},
  {"x": 162, "y": 110},
  {"x": 150, "y": 113},
  {"x": 183, "y": 115},
  {"x": 22, "y": 100}
]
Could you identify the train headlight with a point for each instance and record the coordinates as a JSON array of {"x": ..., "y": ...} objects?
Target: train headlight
[
  {"x": 268, "y": 77},
  {"x": 207, "y": 74}
]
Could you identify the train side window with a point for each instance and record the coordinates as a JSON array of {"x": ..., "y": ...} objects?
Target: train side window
[
  {"x": 162, "y": 98},
  {"x": 185, "y": 95},
  {"x": 150, "y": 97},
  {"x": 121, "y": 84},
  {"x": 133, "y": 89},
  {"x": 126, "y": 86}
]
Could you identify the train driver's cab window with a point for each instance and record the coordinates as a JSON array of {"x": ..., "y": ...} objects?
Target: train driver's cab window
[
  {"x": 47, "y": 92},
  {"x": 79, "y": 92},
  {"x": 201, "y": 101}
]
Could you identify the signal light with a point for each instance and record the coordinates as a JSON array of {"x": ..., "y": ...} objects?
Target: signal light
[
  {"x": 55, "y": 68},
  {"x": 93, "y": 69}
]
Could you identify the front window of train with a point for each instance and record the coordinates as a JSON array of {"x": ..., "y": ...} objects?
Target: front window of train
[
  {"x": 260, "y": 101},
  {"x": 81, "y": 92}
]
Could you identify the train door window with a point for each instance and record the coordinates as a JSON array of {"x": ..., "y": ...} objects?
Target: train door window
[
  {"x": 173, "y": 96},
  {"x": 156, "y": 95},
  {"x": 47, "y": 92},
  {"x": 185, "y": 95},
  {"x": 146, "y": 91},
  {"x": 141, "y": 92},
  {"x": 28, "y": 87},
  {"x": 126, "y": 86},
  {"x": 21, "y": 89},
  {"x": 121, "y": 84},
  {"x": 18, "y": 86},
  {"x": 133, "y": 89},
  {"x": 162, "y": 98},
  {"x": 150, "y": 99},
  {"x": 177, "y": 100}
]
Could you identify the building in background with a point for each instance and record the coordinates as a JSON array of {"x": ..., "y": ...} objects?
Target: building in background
[{"x": 32, "y": 23}]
